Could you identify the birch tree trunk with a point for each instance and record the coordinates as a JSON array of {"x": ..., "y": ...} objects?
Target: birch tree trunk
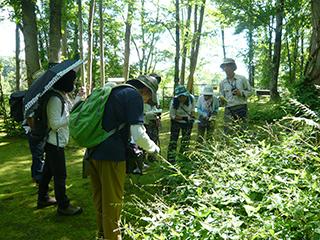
[
  {"x": 55, "y": 31},
  {"x": 274, "y": 94},
  {"x": 30, "y": 38},
  {"x": 90, "y": 44},
  {"x": 312, "y": 70},
  {"x": 101, "y": 37}
]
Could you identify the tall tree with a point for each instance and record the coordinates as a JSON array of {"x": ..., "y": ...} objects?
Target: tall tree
[
  {"x": 90, "y": 46},
  {"x": 177, "y": 42},
  {"x": 55, "y": 31},
  {"x": 30, "y": 38},
  {"x": 185, "y": 44},
  {"x": 196, "y": 45},
  {"x": 312, "y": 71},
  {"x": 127, "y": 40},
  {"x": 274, "y": 94},
  {"x": 18, "y": 76},
  {"x": 101, "y": 38},
  {"x": 80, "y": 22}
]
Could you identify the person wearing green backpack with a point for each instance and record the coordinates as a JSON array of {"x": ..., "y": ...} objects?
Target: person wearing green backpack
[{"x": 123, "y": 111}]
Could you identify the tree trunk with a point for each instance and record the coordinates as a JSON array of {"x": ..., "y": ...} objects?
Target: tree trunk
[
  {"x": 18, "y": 81},
  {"x": 185, "y": 44},
  {"x": 102, "y": 69},
  {"x": 251, "y": 56},
  {"x": 82, "y": 69},
  {"x": 64, "y": 33},
  {"x": 223, "y": 43},
  {"x": 302, "y": 54},
  {"x": 177, "y": 56},
  {"x": 312, "y": 71},
  {"x": 90, "y": 44},
  {"x": 194, "y": 57},
  {"x": 30, "y": 38},
  {"x": 274, "y": 94},
  {"x": 55, "y": 31},
  {"x": 127, "y": 40}
]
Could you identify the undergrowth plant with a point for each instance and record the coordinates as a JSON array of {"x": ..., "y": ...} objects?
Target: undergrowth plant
[{"x": 264, "y": 184}]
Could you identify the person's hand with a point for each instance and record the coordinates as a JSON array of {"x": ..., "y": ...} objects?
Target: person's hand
[
  {"x": 236, "y": 92},
  {"x": 154, "y": 150}
]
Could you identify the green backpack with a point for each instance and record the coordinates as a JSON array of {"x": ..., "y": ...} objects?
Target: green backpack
[{"x": 85, "y": 122}]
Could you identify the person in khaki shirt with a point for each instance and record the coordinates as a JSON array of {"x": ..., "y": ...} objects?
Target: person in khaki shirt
[{"x": 234, "y": 92}]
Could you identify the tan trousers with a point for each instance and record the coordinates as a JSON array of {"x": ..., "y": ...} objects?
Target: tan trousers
[{"x": 107, "y": 179}]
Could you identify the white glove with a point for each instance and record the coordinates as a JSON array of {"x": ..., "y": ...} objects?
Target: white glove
[{"x": 155, "y": 149}]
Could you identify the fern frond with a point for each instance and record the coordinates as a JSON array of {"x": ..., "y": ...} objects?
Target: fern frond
[
  {"x": 305, "y": 109},
  {"x": 307, "y": 121}
]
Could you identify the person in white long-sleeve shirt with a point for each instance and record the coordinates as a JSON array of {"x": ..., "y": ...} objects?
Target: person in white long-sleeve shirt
[
  {"x": 57, "y": 110},
  {"x": 234, "y": 92},
  {"x": 108, "y": 160}
]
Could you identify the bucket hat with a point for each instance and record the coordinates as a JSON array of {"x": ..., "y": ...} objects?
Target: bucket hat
[
  {"x": 180, "y": 90},
  {"x": 228, "y": 61},
  {"x": 151, "y": 83},
  {"x": 207, "y": 90}
]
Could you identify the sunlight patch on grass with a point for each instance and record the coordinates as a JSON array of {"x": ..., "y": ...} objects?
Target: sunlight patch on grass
[{"x": 3, "y": 143}]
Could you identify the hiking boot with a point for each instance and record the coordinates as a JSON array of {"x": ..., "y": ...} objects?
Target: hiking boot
[
  {"x": 46, "y": 203},
  {"x": 69, "y": 211}
]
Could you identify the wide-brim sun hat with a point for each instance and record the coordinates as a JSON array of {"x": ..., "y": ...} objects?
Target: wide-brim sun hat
[
  {"x": 207, "y": 90},
  {"x": 151, "y": 83},
  {"x": 180, "y": 90},
  {"x": 227, "y": 61}
]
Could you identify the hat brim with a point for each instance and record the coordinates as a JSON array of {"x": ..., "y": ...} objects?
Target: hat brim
[
  {"x": 153, "y": 93},
  {"x": 182, "y": 94},
  {"x": 231, "y": 63},
  {"x": 208, "y": 93}
]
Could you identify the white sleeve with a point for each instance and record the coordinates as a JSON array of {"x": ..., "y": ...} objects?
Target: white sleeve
[{"x": 141, "y": 138}]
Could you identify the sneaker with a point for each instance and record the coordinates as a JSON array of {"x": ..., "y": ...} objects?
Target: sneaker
[
  {"x": 48, "y": 202},
  {"x": 69, "y": 211}
]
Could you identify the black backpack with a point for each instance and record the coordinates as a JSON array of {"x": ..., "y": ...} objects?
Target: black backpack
[
  {"x": 16, "y": 105},
  {"x": 38, "y": 122}
]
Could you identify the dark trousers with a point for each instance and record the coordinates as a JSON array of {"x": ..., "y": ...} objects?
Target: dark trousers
[
  {"x": 36, "y": 147},
  {"x": 185, "y": 139},
  {"x": 54, "y": 166}
]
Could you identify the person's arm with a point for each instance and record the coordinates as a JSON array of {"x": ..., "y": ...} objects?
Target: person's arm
[
  {"x": 172, "y": 111},
  {"x": 200, "y": 109},
  {"x": 55, "y": 119},
  {"x": 141, "y": 138},
  {"x": 247, "y": 89}
]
